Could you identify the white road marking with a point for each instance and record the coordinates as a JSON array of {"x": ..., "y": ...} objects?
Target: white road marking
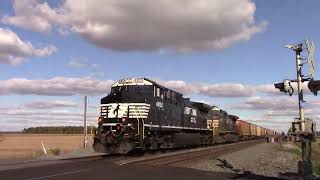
[{"x": 60, "y": 174}]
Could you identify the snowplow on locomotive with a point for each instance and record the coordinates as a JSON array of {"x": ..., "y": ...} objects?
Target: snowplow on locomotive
[{"x": 141, "y": 114}]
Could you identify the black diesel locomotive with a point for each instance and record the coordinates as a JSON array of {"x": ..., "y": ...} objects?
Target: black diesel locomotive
[{"x": 141, "y": 114}]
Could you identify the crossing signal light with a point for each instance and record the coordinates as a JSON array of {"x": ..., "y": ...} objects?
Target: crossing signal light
[
  {"x": 314, "y": 86},
  {"x": 285, "y": 86}
]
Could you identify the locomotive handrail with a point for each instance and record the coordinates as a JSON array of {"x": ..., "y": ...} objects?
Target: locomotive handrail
[
  {"x": 139, "y": 123},
  {"x": 137, "y": 119}
]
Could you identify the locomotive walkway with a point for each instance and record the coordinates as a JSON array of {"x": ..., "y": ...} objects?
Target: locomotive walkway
[{"x": 160, "y": 167}]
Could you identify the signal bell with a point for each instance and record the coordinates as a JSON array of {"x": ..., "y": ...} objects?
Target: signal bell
[
  {"x": 285, "y": 86},
  {"x": 314, "y": 86}
]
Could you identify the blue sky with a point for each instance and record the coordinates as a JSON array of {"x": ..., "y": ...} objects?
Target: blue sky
[{"x": 257, "y": 58}]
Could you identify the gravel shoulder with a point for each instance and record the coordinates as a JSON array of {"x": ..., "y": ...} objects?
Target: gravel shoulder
[{"x": 266, "y": 159}]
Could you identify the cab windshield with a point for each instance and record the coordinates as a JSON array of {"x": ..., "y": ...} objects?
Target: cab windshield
[{"x": 139, "y": 89}]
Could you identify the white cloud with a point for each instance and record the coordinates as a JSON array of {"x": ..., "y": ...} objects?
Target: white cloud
[
  {"x": 13, "y": 50},
  {"x": 228, "y": 89},
  {"x": 75, "y": 63},
  {"x": 58, "y": 86},
  {"x": 311, "y": 113},
  {"x": 22, "y": 118},
  {"x": 44, "y": 113},
  {"x": 32, "y": 15},
  {"x": 212, "y": 90},
  {"x": 182, "y": 25},
  {"x": 63, "y": 86},
  {"x": 81, "y": 63},
  {"x": 277, "y": 112},
  {"x": 279, "y": 106},
  {"x": 50, "y": 104},
  {"x": 267, "y": 103}
]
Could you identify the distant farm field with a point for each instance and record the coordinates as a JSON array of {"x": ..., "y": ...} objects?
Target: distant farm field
[{"x": 28, "y": 146}]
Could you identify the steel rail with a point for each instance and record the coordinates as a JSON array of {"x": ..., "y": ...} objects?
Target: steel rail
[{"x": 184, "y": 157}]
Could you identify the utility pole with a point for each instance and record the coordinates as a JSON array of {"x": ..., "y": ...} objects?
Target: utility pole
[{"x": 85, "y": 139}]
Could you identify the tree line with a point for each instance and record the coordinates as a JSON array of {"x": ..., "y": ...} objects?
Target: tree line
[{"x": 58, "y": 130}]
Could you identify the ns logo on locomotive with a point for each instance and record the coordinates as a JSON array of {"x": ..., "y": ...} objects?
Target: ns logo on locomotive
[{"x": 141, "y": 114}]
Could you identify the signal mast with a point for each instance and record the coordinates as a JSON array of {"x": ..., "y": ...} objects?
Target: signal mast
[{"x": 303, "y": 128}]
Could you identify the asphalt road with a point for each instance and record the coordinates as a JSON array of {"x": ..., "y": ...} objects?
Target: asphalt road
[{"x": 106, "y": 169}]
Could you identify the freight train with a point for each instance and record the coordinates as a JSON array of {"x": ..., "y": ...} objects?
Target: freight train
[{"x": 141, "y": 114}]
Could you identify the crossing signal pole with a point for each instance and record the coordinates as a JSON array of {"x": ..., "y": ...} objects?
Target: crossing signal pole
[
  {"x": 303, "y": 128},
  {"x": 299, "y": 64}
]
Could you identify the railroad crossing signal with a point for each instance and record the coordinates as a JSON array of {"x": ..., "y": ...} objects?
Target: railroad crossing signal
[
  {"x": 285, "y": 86},
  {"x": 314, "y": 86},
  {"x": 303, "y": 128}
]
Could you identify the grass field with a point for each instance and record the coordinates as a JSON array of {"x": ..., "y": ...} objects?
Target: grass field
[
  {"x": 28, "y": 146},
  {"x": 316, "y": 156}
]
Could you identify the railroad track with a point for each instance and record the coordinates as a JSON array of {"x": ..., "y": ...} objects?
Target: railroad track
[{"x": 181, "y": 158}]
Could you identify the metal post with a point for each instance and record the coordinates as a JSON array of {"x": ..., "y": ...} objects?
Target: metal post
[
  {"x": 298, "y": 50},
  {"x": 85, "y": 141},
  {"x": 304, "y": 166}
]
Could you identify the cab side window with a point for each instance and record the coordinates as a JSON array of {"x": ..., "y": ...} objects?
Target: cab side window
[{"x": 158, "y": 92}]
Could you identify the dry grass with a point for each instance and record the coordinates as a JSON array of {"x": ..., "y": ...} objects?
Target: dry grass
[
  {"x": 316, "y": 156},
  {"x": 1, "y": 137},
  {"x": 28, "y": 146},
  {"x": 316, "y": 150}
]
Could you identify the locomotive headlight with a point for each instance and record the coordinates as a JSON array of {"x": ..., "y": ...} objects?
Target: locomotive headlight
[{"x": 123, "y": 119}]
